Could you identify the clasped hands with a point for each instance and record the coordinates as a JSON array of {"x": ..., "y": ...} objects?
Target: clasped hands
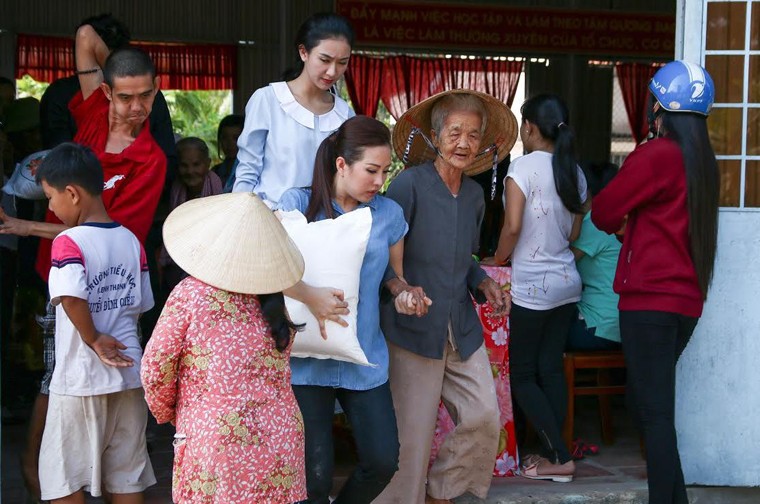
[{"x": 408, "y": 299}]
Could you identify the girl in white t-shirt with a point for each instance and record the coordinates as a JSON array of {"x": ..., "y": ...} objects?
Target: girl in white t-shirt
[
  {"x": 545, "y": 194},
  {"x": 285, "y": 122}
]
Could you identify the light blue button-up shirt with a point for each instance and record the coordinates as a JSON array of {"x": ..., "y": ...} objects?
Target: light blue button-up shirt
[
  {"x": 388, "y": 227},
  {"x": 279, "y": 140}
]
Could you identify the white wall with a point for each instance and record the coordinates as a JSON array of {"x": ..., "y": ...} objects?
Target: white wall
[{"x": 718, "y": 391}]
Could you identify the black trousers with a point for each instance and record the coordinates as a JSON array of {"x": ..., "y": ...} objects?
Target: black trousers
[
  {"x": 652, "y": 343},
  {"x": 373, "y": 422},
  {"x": 536, "y": 344}
]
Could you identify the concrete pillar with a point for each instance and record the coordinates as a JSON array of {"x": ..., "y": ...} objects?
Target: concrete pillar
[{"x": 718, "y": 381}]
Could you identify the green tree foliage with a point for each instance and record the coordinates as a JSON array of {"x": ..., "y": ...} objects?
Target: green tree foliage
[
  {"x": 197, "y": 113},
  {"x": 26, "y": 86}
]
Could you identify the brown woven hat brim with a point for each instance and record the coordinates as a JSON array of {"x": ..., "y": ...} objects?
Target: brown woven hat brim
[
  {"x": 501, "y": 129},
  {"x": 233, "y": 242}
]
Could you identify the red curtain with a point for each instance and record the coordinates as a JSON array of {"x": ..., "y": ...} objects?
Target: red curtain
[
  {"x": 408, "y": 80},
  {"x": 181, "y": 66},
  {"x": 364, "y": 79},
  {"x": 194, "y": 66},
  {"x": 633, "y": 79},
  {"x": 497, "y": 78},
  {"x": 45, "y": 59}
]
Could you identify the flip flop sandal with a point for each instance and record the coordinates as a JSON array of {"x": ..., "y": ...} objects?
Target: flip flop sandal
[
  {"x": 531, "y": 459},
  {"x": 532, "y": 473},
  {"x": 590, "y": 449}
]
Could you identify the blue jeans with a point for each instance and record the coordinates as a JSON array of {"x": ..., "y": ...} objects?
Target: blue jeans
[
  {"x": 652, "y": 343},
  {"x": 373, "y": 422}
]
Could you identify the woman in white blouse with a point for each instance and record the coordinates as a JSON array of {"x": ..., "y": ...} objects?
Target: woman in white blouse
[
  {"x": 285, "y": 122},
  {"x": 545, "y": 202}
]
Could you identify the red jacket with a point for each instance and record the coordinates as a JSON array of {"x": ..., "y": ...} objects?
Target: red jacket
[
  {"x": 655, "y": 270},
  {"x": 133, "y": 178}
]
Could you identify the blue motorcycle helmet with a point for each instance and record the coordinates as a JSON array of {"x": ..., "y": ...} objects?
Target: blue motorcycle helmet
[{"x": 682, "y": 86}]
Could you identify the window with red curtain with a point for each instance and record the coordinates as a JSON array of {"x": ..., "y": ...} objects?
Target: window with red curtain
[
  {"x": 364, "y": 79},
  {"x": 408, "y": 80},
  {"x": 496, "y": 77},
  {"x": 634, "y": 79},
  {"x": 45, "y": 59},
  {"x": 181, "y": 66}
]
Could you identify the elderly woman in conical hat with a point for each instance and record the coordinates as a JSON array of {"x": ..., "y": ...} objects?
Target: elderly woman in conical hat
[
  {"x": 217, "y": 364},
  {"x": 441, "y": 356}
]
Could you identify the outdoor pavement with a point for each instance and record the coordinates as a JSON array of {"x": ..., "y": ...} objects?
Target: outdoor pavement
[{"x": 616, "y": 475}]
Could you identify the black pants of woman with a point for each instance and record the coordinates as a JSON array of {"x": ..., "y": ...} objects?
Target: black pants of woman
[
  {"x": 536, "y": 345},
  {"x": 652, "y": 343},
  {"x": 373, "y": 422}
]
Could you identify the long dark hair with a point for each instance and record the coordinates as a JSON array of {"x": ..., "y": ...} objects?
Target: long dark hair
[
  {"x": 273, "y": 308},
  {"x": 549, "y": 113},
  {"x": 314, "y": 30},
  {"x": 702, "y": 189},
  {"x": 348, "y": 142}
]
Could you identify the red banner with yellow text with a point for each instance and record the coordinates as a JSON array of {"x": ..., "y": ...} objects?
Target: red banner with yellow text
[{"x": 514, "y": 30}]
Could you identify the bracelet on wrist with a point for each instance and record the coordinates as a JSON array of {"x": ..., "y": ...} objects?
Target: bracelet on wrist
[{"x": 90, "y": 71}]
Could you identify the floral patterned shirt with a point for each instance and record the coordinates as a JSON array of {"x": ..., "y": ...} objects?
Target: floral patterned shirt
[{"x": 212, "y": 368}]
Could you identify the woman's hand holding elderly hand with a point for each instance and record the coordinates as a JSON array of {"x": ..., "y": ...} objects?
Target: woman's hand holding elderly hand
[
  {"x": 499, "y": 299},
  {"x": 408, "y": 299},
  {"x": 412, "y": 301},
  {"x": 326, "y": 303}
]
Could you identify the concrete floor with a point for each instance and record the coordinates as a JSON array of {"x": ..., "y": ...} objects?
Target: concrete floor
[{"x": 616, "y": 475}]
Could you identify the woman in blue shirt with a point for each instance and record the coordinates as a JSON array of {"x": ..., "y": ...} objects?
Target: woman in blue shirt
[{"x": 349, "y": 171}]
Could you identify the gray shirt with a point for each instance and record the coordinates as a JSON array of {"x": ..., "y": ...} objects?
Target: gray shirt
[{"x": 444, "y": 232}]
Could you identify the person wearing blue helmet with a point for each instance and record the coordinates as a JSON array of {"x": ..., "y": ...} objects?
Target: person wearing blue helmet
[{"x": 664, "y": 202}]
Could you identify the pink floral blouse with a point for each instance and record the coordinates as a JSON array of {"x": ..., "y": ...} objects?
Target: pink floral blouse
[{"x": 212, "y": 369}]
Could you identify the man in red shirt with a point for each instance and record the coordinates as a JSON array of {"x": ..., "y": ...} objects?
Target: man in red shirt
[{"x": 111, "y": 113}]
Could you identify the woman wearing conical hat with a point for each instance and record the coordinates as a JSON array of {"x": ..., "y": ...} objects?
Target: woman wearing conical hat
[{"x": 217, "y": 364}]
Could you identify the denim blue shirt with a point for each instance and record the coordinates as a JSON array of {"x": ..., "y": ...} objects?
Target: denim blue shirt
[{"x": 388, "y": 227}]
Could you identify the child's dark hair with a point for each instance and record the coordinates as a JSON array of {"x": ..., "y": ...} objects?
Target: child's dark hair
[
  {"x": 193, "y": 143},
  {"x": 113, "y": 32},
  {"x": 273, "y": 308},
  {"x": 230, "y": 121},
  {"x": 319, "y": 27},
  {"x": 549, "y": 113},
  {"x": 349, "y": 142},
  {"x": 71, "y": 164},
  {"x": 128, "y": 62}
]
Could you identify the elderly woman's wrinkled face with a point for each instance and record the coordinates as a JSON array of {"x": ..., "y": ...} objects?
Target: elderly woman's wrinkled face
[
  {"x": 459, "y": 138},
  {"x": 193, "y": 168}
]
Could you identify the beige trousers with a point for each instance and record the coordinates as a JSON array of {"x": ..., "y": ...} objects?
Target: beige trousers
[{"x": 467, "y": 456}]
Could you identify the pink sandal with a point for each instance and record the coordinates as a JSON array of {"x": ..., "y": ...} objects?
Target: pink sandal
[{"x": 531, "y": 472}]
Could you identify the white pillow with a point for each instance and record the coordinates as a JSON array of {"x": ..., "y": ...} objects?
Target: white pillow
[{"x": 333, "y": 252}]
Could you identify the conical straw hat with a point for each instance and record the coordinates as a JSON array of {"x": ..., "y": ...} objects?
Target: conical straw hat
[
  {"x": 501, "y": 129},
  {"x": 233, "y": 242}
]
